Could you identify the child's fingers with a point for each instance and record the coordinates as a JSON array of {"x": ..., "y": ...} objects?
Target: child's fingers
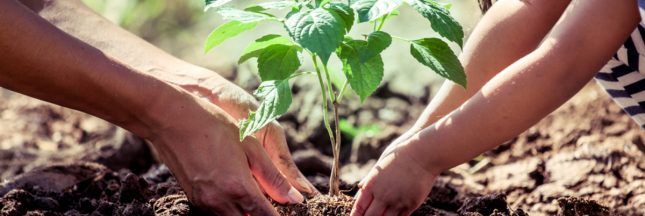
[
  {"x": 363, "y": 201},
  {"x": 376, "y": 208}
]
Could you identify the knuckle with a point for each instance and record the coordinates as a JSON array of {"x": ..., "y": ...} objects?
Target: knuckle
[
  {"x": 231, "y": 187},
  {"x": 406, "y": 204},
  {"x": 236, "y": 192},
  {"x": 249, "y": 205},
  {"x": 206, "y": 199},
  {"x": 278, "y": 180}
]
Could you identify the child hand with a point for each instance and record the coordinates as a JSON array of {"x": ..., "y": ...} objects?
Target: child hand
[{"x": 396, "y": 185}]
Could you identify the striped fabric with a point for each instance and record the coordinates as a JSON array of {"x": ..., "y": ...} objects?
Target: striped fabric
[{"x": 624, "y": 75}]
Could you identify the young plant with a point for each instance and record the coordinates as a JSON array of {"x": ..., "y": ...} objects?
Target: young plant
[{"x": 319, "y": 29}]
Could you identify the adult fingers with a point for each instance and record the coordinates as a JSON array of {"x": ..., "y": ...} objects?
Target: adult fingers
[
  {"x": 363, "y": 201},
  {"x": 268, "y": 176},
  {"x": 256, "y": 205},
  {"x": 275, "y": 143},
  {"x": 376, "y": 208}
]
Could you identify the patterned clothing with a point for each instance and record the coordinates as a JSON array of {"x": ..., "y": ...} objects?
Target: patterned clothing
[{"x": 624, "y": 75}]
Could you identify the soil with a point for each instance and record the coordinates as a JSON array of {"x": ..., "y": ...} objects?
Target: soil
[{"x": 586, "y": 158}]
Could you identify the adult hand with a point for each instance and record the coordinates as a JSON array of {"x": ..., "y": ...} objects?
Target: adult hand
[
  {"x": 237, "y": 103},
  {"x": 200, "y": 144},
  {"x": 396, "y": 185}
]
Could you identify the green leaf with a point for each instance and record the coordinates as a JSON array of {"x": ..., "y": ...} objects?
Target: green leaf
[
  {"x": 345, "y": 12},
  {"x": 243, "y": 15},
  {"x": 370, "y": 10},
  {"x": 438, "y": 56},
  {"x": 440, "y": 20},
  {"x": 320, "y": 3},
  {"x": 214, "y": 3},
  {"x": 226, "y": 31},
  {"x": 256, "y": 48},
  {"x": 278, "y": 5},
  {"x": 319, "y": 31},
  {"x": 364, "y": 76},
  {"x": 276, "y": 99},
  {"x": 278, "y": 62},
  {"x": 377, "y": 42}
]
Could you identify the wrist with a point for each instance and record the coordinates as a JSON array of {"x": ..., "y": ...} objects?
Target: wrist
[{"x": 426, "y": 160}]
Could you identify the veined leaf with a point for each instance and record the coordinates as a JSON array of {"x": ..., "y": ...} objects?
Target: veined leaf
[
  {"x": 377, "y": 42},
  {"x": 319, "y": 31},
  {"x": 440, "y": 20},
  {"x": 278, "y": 62},
  {"x": 242, "y": 15},
  {"x": 226, "y": 31},
  {"x": 364, "y": 76},
  {"x": 214, "y": 3},
  {"x": 278, "y": 5},
  {"x": 276, "y": 99},
  {"x": 345, "y": 12},
  {"x": 370, "y": 10},
  {"x": 437, "y": 55},
  {"x": 256, "y": 48}
]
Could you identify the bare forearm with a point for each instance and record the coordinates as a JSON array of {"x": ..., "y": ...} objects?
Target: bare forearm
[
  {"x": 141, "y": 55},
  {"x": 79, "y": 21},
  {"x": 509, "y": 31},
  {"x": 531, "y": 88},
  {"x": 41, "y": 61}
]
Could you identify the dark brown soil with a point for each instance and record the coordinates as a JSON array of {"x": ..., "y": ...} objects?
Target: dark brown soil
[{"x": 584, "y": 159}]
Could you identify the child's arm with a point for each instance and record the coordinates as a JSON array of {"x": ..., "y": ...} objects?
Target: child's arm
[
  {"x": 509, "y": 31},
  {"x": 587, "y": 35}
]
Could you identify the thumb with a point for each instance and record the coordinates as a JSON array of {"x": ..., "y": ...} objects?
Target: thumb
[
  {"x": 275, "y": 144},
  {"x": 268, "y": 176}
]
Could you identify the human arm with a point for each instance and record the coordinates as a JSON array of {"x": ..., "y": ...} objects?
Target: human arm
[
  {"x": 587, "y": 35},
  {"x": 509, "y": 30},
  {"x": 146, "y": 58},
  {"x": 197, "y": 140}
]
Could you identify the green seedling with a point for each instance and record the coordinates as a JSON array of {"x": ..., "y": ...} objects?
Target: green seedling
[{"x": 318, "y": 30}]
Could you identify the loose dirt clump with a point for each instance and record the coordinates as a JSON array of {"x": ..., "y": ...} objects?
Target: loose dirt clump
[
  {"x": 572, "y": 206},
  {"x": 319, "y": 205}
]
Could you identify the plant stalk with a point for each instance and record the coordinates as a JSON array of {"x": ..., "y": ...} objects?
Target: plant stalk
[
  {"x": 382, "y": 22},
  {"x": 325, "y": 98},
  {"x": 334, "y": 180},
  {"x": 339, "y": 98}
]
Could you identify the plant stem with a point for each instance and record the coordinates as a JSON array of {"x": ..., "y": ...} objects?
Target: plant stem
[
  {"x": 325, "y": 98},
  {"x": 400, "y": 38},
  {"x": 334, "y": 180},
  {"x": 297, "y": 74},
  {"x": 332, "y": 96},
  {"x": 382, "y": 22},
  {"x": 339, "y": 98}
]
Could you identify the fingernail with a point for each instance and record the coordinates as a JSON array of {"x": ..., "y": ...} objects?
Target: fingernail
[
  {"x": 303, "y": 184},
  {"x": 295, "y": 196}
]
